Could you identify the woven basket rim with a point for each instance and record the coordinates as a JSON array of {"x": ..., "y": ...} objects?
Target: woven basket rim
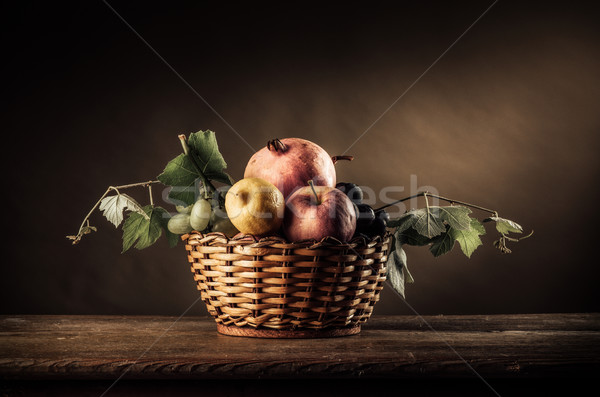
[{"x": 253, "y": 241}]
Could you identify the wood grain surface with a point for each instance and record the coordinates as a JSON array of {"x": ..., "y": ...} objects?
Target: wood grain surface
[{"x": 430, "y": 347}]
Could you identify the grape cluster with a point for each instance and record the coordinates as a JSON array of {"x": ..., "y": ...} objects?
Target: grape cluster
[
  {"x": 368, "y": 222},
  {"x": 201, "y": 216}
]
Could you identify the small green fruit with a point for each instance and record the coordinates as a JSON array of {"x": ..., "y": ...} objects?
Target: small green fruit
[
  {"x": 200, "y": 215},
  {"x": 179, "y": 224},
  {"x": 184, "y": 210}
]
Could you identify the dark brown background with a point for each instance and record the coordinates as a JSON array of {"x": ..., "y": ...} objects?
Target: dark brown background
[{"x": 508, "y": 119}]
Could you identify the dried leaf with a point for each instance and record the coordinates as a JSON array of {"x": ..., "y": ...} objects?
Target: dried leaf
[{"x": 113, "y": 206}]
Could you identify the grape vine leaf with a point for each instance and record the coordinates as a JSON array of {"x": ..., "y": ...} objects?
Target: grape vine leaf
[
  {"x": 455, "y": 228},
  {"x": 404, "y": 222},
  {"x": 183, "y": 172},
  {"x": 440, "y": 228},
  {"x": 426, "y": 222},
  {"x": 457, "y": 220},
  {"x": 443, "y": 243},
  {"x": 504, "y": 226},
  {"x": 468, "y": 239},
  {"x": 397, "y": 271},
  {"x": 180, "y": 173},
  {"x": 456, "y": 216},
  {"x": 143, "y": 231},
  {"x": 204, "y": 148},
  {"x": 411, "y": 237},
  {"x": 112, "y": 207}
]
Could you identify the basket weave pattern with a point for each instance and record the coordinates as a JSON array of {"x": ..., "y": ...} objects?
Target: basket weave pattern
[{"x": 274, "y": 284}]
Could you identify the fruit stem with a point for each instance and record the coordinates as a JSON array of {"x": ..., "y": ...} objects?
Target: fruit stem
[
  {"x": 184, "y": 145},
  {"x": 312, "y": 186},
  {"x": 427, "y": 194},
  {"x": 335, "y": 159},
  {"x": 150, "y": 194},
  {"x": 209, "y": 188}
]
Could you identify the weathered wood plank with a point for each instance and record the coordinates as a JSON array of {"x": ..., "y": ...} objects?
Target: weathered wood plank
[{"x": 142, "y": 347}]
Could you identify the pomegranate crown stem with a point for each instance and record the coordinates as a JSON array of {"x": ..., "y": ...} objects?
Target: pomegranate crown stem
[
  {"x": 335, "y": 159},
  {"x": 276, "y": 145}
]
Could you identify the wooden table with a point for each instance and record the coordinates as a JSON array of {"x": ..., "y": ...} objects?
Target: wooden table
[{"x": 483, "y": 353}]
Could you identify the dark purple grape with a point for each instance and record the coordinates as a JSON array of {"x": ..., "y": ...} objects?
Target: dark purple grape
[
  {"x": 366, "y": 215},
  {"x": 377, "y": 228},
  {"x": 383, "y": 216},
  {"x": 353, "y": 191}
]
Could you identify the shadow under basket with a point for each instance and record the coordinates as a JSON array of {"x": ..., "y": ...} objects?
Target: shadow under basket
[{"x": 272, "y": 288}]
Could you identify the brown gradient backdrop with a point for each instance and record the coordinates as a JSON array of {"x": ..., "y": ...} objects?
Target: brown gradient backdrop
[{"x": 508, "y": 119}]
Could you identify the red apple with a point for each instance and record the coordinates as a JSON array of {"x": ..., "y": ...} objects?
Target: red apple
[
  {"x": 314, "y": 212},
  {"x": 290, "y": 162}
]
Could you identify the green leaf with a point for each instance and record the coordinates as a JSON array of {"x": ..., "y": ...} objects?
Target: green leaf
[
  {"x": 395, "y": 274},
  {"x": 504, "y": 226},
  {"x": 424, "y": 221},
  {"x": 203, "y": 146},
  {"x": 456, "y": 216},
  {"x": 397, "y": 271},
  {"x": 112, "y": 207},
  {"x": 478, "y": 226},
  {"x": 428, "y": 224},
  {"x": 404, "y": 222},
  {"x": 442, "y": 244},
  {"x": 468, "y": 239},
  {"x": 411, "y": 237},
  {"x": 172, "y": 238},
  {"x": 143, "y": 231},
  {"x": 226, "y": 179},
  {"x": 181, "y": 174}
]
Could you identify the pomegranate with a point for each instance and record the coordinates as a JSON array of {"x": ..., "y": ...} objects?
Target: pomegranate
[{"x": 290, "y": 163}]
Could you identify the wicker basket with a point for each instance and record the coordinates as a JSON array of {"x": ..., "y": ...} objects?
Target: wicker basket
[{"x": 273, "y": 288}]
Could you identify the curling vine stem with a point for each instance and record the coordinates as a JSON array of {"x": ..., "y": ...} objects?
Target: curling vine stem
[
  {"x": 111, "y": 188},
  {"x": 427, "y": 194}
]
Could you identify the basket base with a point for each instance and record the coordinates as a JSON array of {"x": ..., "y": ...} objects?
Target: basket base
[{"x": 286, "y": 333}]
